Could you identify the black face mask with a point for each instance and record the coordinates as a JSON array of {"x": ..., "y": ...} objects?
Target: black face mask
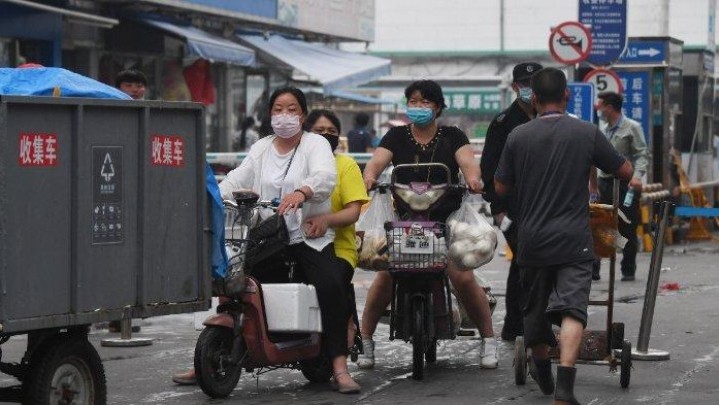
[{"x": 334, "y": 140}]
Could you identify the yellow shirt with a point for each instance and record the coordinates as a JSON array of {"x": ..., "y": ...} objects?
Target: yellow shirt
[{"x": 349, "y": 188}]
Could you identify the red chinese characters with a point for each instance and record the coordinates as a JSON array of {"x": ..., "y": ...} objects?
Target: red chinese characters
[
  {"x": 37, "y": 149},
  {"x": 168, "y": 150}
]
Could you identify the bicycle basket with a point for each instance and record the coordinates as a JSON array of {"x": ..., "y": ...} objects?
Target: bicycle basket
[{"x": 416, "y": 246}]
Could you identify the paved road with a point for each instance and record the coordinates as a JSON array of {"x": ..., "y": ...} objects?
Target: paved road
[{"x": 686, "y": 324}]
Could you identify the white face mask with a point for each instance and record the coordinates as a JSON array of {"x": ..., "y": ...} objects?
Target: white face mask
[{"x": 286, "y": 125}]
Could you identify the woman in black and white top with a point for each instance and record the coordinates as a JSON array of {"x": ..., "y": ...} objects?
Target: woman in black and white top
[
  {"x": 425, "y": 141},
  {"x": 299, "y": 168}
]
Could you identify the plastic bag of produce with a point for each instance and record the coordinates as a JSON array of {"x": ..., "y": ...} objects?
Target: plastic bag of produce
[
  {"x": 371, "y": 235},
  {"x": 472, "y": 239}
]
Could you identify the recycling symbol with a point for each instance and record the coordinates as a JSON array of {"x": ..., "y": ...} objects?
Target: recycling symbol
[{"x": 108, "y": 169}]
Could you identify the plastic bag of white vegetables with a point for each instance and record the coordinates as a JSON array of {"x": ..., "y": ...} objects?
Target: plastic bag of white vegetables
[
  {"x": 371, "y": 236},
  {"x": 472, "y": 240}
]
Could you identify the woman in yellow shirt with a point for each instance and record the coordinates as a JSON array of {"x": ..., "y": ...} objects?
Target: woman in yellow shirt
[{"x": 347, "y": 199}]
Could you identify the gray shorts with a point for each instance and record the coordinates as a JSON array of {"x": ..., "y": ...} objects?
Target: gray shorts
[{"x": 551, "y": 293}]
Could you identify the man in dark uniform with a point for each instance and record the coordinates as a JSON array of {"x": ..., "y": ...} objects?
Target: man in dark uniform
[{"x": 503, "y": 209}]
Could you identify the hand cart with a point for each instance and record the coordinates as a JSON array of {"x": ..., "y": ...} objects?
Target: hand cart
[{"x": 598, "y": 347}]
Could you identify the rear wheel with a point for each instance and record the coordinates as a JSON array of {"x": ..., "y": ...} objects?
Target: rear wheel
[
  {"x": 418, "y": 341},
  {"x": 625, "y": 370},
  {"x": 520, "y": 361},
  {"x": 317, "y": 370},
  {"x": 215, "y": 375},
  {"x": 69, "y": 372}
]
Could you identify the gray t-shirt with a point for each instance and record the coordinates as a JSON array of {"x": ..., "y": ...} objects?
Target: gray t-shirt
[{"x": 547, "y": 161}]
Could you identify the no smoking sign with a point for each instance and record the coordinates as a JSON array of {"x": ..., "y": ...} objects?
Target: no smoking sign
[{"x": 570, "y": 42}]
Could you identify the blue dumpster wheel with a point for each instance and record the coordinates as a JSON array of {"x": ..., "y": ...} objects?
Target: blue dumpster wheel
[
  {"x": 625, "y": 370},
  {"x": 215, "y": 375},
  {"x": 520, "y": 361},
  {"x": 317, "y": 370},
  {"x": 68, "y": 371}
]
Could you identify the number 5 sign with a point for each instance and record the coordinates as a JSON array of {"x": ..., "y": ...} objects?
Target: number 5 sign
[{"x": 604, "y": 80}]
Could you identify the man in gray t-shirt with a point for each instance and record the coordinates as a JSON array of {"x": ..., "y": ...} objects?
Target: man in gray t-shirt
[{"x": 547, "y": 162}]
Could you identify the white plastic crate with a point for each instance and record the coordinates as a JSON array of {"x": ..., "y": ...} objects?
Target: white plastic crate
[{"x": 291, "y": 308}]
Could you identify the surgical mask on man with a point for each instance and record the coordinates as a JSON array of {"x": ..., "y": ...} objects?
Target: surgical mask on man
[
  {"x": 601, "y": 116},
  {"x": 421, "y": 116},
  {"x": 334, "y": 140},
  {"x": 286, "y": 125},
  {"x": 525, "y": 94}
]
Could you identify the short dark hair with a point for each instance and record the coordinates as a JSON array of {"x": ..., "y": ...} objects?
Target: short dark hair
[
  {"x": 319, "y": 113},
  {"x": 130, "y": 76},
  {"x": 297, "y": 93},
  {"x": 361, "y": 119},
  {"x": 430, "y": 90},
  {"x": 549, "y": 85},
  {"x": 613, "y": 99}
]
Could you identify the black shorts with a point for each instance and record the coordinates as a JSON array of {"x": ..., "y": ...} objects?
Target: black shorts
[{"x": 552, "y": 293}]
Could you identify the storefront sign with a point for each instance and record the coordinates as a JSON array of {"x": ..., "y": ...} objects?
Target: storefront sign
[
  {"x": 343, "y": 18},
  {"x": 636, "y": 98},
  {"x": 489, "y": 102}
]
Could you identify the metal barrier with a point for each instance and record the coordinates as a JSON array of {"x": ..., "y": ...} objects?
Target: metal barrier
[{"x": 642, "y": 351}]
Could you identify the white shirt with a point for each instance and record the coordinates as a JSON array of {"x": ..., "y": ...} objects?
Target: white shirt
[{"x": 313, "y": 166}]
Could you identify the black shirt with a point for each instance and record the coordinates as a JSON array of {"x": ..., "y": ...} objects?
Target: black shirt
[
  {"x": 496, "y": 137},
  {"x": 547, "y": 162},
  {"x": 358, "y": 140},
  {"x": 442, "y": 149}
]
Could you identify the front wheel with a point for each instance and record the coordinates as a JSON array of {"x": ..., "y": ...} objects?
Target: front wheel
[
  {"x": 69, "y": 372},
  {"x": 215, "y": 374},
  {"x": 317, "y": 370},
  {"x": 625, "y": 369},
  {"x": 418, "y": 340}
]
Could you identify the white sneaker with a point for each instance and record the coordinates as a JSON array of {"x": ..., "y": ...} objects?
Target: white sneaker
[
  {"x": 488, "y": 353},
  {"x": 366, "y": 359}
]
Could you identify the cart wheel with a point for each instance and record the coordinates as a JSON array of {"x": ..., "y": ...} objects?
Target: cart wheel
[
  {"x": 431, "y": 355},
  {"x": 215, "y": 376},
  {"x": 625, "y": 371},
  {"x": 69, "y": 372},
  {"x": 617, "y": 335},
  {"x": 418, "y": 341},
  {"x": 520, "y": 361}
]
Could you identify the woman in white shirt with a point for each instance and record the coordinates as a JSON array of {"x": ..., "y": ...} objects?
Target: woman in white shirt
[{"x": 299, "y": 168}]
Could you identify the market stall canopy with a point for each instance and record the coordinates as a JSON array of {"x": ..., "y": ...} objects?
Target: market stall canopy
[
  {"x": 70, "y": 15},
  {"x": 205, "y": 45},
  {"x": 351, "y": 96},
  {"x": 332, "y": 68}
]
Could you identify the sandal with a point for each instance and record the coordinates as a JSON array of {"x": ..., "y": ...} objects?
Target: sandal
[{"x": 345, "y": 388}]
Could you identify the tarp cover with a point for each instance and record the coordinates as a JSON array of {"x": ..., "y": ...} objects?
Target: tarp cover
[{"x": 42, "y": 81}]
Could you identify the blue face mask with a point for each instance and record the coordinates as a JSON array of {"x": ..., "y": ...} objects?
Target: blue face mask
[
  {"x": 525, "y": 94},
  {"x": 420, "y": 116}
]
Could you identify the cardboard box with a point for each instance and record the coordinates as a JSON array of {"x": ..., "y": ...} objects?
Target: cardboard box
[{"x": 291, "y": 308}]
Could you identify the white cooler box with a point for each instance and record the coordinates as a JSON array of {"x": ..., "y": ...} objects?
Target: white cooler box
[{"x": 291, "y": 308}]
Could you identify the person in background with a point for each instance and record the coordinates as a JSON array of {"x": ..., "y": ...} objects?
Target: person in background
[
  {"x": 627, "y": 137},
  {"x": 132, "y": 82},
  {"x": 347, "y": 199},
  {"x": 503, "y": 208},
  {"x": 547, "y": 162},
  {"x": 425, "y": 141},
  {"x": 246, "y": 136},
  {"x": 359, "y": 139}
]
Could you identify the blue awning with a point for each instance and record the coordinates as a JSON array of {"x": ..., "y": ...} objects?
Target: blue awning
[
  {"x": 332, "y": 68},
  {"x": 205, "y": 45},
  {"x": 348, "y": 95}
]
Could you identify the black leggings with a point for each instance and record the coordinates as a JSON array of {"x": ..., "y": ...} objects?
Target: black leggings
[
  {"x": 347, "y": 273},
  {"x": 324, "y": 271}
]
